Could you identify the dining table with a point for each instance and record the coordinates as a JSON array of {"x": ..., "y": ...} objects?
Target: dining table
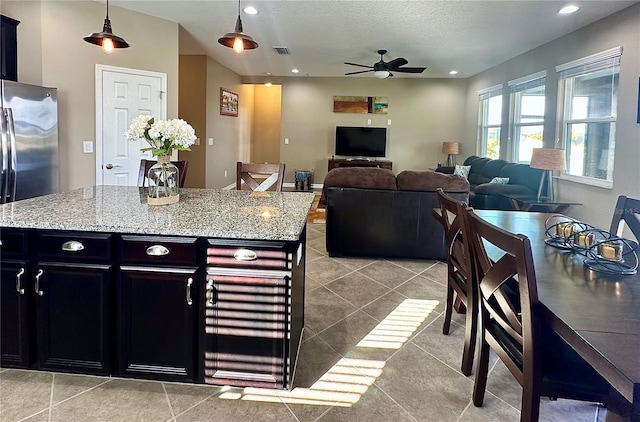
[{"x": 596, "y": 313}]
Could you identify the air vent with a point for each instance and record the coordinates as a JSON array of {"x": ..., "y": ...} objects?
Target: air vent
[{"x": 281, "y": 50}]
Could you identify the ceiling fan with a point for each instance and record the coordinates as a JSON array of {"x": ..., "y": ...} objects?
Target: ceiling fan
[{"x": 383, "y": 69}]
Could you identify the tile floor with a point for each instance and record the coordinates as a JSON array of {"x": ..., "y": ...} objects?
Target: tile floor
[{"x": 373, "y": 350}]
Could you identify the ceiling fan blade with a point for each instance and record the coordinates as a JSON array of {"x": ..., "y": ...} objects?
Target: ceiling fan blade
[
  {"x": 356, "y": 64},
  {"x": 361, "y": 71},
  {"x": 410, "y": 69},
  {"x": 395, "y": 63}
]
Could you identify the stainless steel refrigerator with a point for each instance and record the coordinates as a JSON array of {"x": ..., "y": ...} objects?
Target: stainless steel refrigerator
[{"x": 29, "y": 130}]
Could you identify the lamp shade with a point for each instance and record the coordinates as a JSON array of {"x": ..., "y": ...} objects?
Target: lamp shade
[
  {"x": 548, "y": 159},
  {"x": 451, "y": 148}
]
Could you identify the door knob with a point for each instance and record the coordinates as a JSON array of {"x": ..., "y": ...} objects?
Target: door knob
[{"x": 109, "y": 166}]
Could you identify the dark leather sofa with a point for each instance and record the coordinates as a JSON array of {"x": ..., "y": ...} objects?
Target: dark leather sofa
[
  {"x": 523, "y": 181},
  {"x": 371, "y": 212}
]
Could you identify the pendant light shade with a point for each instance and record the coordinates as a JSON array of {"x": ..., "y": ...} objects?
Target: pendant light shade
[
  {"x": 238, "y": 40},
  {"x": 106, "y": 39}
]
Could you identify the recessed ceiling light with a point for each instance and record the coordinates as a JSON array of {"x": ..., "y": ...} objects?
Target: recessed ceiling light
[
  {"x": 568, "y": 9},
  {"x": 453, "y": 72},
  {"x": 268, "y": 84},
  {"x": 250, "y": 10},
  {"x": 294, "y": 71}
]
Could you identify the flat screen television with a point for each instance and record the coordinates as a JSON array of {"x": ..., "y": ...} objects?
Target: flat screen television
[{"x": 361, "y": 141}]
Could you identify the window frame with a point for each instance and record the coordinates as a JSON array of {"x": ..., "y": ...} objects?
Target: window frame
[
  {"x": 567, "y": 73},
  {"x": 517, "y": 88},
  {"x": 484, "y": 96}
]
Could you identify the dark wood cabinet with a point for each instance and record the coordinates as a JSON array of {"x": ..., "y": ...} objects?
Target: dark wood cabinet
[
  {"x": 157, "y": 326},
  {"x": 14, "y": 323},
  {"x": 8, "y": 48},
  {"x": 335, "y": 163},
  {"x": 73, "y": 315},
  {"x": 251, "y": 332}
]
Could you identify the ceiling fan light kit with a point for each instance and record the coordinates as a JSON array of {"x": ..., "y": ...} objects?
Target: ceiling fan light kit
[
  {"x": 382, "y": 69},
  {"x": 237, "y": 39},
  {"x": 106, "y": 39}
]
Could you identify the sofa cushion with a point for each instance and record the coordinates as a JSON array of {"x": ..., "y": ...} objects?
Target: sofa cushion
[
  {"x": 358, "y": 177},
  {"x": 504, "y": 190},
  {"x": 490, "y": 170},
  {"x": 522, "y": 174},
  {"x": 430, "y": 181},
  {"x": 477, "y": 164}
]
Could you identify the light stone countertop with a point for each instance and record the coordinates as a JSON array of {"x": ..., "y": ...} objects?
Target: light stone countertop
[{"x": 228, "y": 214}]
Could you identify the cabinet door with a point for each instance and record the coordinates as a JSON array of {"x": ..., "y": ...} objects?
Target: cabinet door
[
  {"x": 14, "y": 332},
  {"x": 246, "y": 327},
  {"x": 73, "y": 317},
  {"x": 157, "y": 323}
]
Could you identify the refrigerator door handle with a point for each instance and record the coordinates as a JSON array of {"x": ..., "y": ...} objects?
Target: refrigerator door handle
[
  {"x": 13, "y": 155},
  {"x": 4, "y": 156}
]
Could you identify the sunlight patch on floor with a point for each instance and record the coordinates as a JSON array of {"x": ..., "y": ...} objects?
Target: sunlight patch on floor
[{"x": 349, "y": 379}]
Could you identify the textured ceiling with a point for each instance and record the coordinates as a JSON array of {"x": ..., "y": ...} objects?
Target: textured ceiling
[{"x": 469, "y": 36}]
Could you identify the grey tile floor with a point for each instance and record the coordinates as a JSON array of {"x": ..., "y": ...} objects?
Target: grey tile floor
[{"x": 373, "y": 350}]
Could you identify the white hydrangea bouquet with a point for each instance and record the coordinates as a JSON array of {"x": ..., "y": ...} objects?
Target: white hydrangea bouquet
[{"x": 163, "y": 136}]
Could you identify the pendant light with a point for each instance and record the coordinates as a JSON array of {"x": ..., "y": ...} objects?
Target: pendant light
[
  {"x": 238, "y": 40},
  {"x": 106, "y": 39}
]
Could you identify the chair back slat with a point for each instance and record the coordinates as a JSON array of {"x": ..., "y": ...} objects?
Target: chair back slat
[
  {"x": 627, "y": 211},
  {"x": 274, "y": 173}
]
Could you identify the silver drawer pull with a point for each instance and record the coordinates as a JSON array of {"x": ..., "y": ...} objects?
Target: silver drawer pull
[
  {"x": 157, "y": 250},
  {"x": 38, "y": 291},
  {"x": 245, "y": 255},
  {"x": 189, "y": 283},
  {"x": 210, "y": 293},
  {"x": 72, "y": 246},
  {"x": 19, "y": 288}
]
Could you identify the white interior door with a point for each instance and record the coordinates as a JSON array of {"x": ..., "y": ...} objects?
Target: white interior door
[{"x": 121, "y": 95}]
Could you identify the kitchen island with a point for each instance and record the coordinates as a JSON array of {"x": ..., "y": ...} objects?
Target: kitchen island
[{"x": 208, "y": 290}]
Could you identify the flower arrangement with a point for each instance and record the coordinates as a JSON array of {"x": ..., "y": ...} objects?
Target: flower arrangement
[{"x": 163, "y": 135}]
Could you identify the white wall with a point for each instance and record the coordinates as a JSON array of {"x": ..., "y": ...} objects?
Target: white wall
[{"x": 620, "y": 29}]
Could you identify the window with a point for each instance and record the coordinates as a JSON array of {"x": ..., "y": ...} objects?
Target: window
[
  {"x": 527, "y": 114},
  {"x": 489, "y": 121},
  {"x": 589, "y": 89}
]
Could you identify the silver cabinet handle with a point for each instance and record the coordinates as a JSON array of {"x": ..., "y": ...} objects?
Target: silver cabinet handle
[
  {"x": 189, "y": 283},
  {"x": 72, "y": 246},
  {"x": 245, "y": 255},
  {"x": 19, "y": 288},
  {"x": 157, "y": 250},
  {"x": 210, "y": 293},
  {"x": 38, "y": 291}
]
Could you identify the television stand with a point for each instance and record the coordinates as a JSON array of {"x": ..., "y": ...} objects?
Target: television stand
[{"x": 359, "y": 162}]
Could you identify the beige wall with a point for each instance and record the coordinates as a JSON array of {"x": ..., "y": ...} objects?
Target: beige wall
[
  {"x": 231, "y": 135},
  {"x": 68, "y": 63},
  {"x": 621, "y": 29},
  {"x": 192, "y": 106},
  {"x": 423, "y": 113},
  {"x": 265, "y": 131}
]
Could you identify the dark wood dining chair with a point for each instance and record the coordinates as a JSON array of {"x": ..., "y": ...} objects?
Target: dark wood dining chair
[
  {"x": 460, "y": 283},
  {"x": 627, "y": 211},
  {"x": 537, "y": 357},
  {"x": 274, "y": 176},
  {"x": 145, "y": 165}
]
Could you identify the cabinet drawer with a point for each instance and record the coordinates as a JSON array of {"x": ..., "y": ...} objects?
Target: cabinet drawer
[
  {"x": 159, "y": 250},
  {"x": 73, "y": 246},
  {"x": 248, "y": 255},
  {"x": 14, "y": 243}
]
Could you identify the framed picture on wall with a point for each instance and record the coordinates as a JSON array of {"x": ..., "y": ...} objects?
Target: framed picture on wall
[{"x": 228, "y": 103}]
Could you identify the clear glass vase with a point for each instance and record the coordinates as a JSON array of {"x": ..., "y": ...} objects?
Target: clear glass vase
[{"x": 163, "y": 180}]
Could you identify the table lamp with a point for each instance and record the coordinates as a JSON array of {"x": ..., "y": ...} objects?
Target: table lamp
[
  {"x": 451, "y": 149},
  {"x": 548, "y": 159}
]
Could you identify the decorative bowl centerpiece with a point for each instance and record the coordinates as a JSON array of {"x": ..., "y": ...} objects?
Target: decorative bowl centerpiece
[{"x": 163, "y": 136}]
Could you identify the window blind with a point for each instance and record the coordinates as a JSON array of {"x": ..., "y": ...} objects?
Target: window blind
[
  {"x": 526, "y": 82},
  {"x": 603, "y": 60},
  {"x": 492, "y": 91}
]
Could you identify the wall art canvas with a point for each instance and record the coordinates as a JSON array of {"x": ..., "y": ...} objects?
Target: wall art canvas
[
  {"x": 228, "y": 103},
  {"x": 358, "y": 104}
]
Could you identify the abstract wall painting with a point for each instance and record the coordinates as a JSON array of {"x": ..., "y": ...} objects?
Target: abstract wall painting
[{"x": 358, "y": 104}]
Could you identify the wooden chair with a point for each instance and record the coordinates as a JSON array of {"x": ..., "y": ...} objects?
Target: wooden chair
[
  {"x": 274, "y": 173},
  {"x": 145, "y": 165},
  {"x": 627, "y": 211},
  {"x": 459, "y": 274},
  {"x": 538, "y": 358}
]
